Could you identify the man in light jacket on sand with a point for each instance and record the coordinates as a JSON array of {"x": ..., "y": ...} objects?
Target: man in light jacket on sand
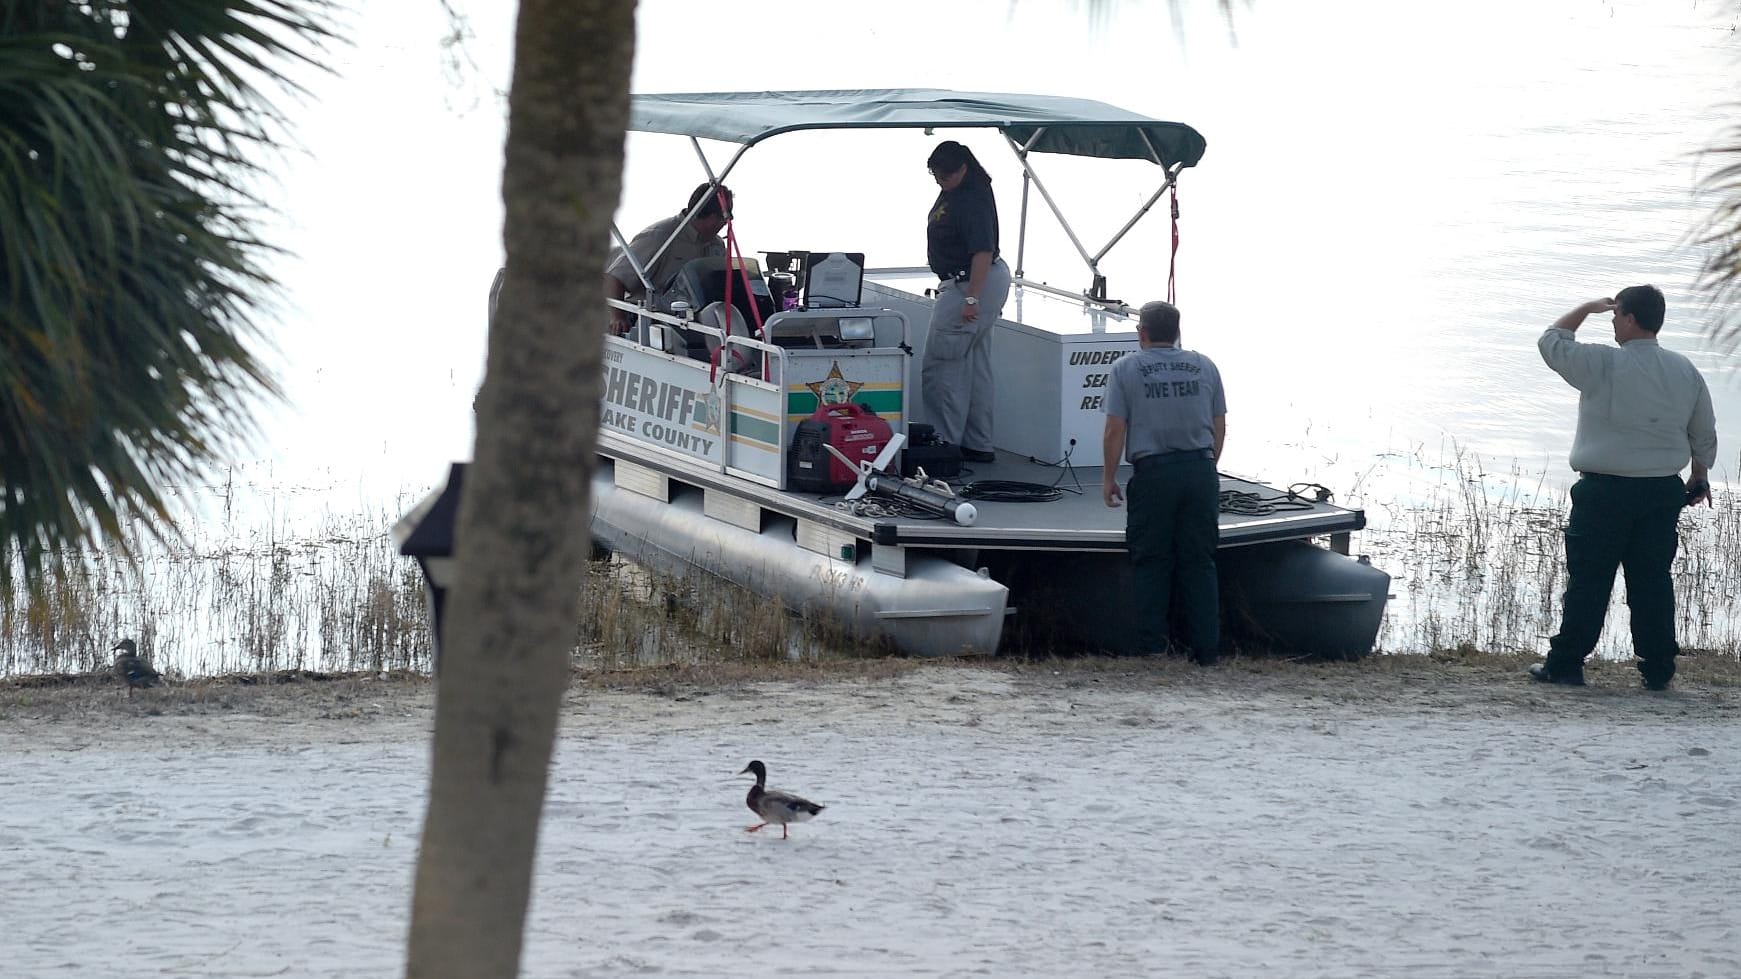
[{"x": 1643, "y": 413}]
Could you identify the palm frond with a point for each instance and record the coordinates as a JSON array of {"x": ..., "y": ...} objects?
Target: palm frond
[
  {"x": 1720, "y": 235},
  {"x": 130, "y": 276},
  {"x": 1101, "y": 14}
]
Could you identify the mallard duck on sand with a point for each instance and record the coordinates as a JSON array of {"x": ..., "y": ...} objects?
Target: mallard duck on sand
[
  {"x": 774, "y": 806},
  {"x": 132, "y": 670}
]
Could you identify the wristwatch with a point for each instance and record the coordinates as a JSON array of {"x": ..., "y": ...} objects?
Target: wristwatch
[{"x": 971, "y": 300}]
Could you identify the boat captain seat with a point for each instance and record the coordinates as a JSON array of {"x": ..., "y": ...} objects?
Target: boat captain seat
[
  {"x": 701, "y": 282},
  {"x": 736, "y": 360}
]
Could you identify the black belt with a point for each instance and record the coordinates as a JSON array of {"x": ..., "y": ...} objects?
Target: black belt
[
  {"x": 964, "y": 275},
  {"x": 1612, "y": 476},
  {"x": 1163, "y": 458}
]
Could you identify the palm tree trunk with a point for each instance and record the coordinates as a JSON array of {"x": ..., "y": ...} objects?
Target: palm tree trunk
[{"x": 522, "y": 538}]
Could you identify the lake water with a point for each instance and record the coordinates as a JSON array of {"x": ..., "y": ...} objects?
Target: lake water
[{"x": 1395, "y": 201}]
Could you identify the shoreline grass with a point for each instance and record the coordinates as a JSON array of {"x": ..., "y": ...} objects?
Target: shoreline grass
[
  {"x": 1475, "y": 557},
  {"x": 336, "y": 598}
]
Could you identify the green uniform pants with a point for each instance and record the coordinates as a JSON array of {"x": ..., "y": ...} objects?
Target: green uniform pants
[
  {"x": 1172, "y": 531},
  {"x": 1621, "y": 522}
]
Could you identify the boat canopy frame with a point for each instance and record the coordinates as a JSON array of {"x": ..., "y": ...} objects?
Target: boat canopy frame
[{"x": 1029, "y": 124}]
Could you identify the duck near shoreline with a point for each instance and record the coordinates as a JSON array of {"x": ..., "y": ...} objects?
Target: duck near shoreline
[
  {"x": 132, "y": 670},
  {"x": 774, "y": 806}
]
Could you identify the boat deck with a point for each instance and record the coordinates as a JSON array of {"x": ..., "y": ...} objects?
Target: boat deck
[{"x": 1078, "y": 520}]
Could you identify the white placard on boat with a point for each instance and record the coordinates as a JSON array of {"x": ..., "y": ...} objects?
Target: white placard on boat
[{"x": 661, "y": 401}]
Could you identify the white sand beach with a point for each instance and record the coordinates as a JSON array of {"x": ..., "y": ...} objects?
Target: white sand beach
[{"x": 1114, "y": 818}]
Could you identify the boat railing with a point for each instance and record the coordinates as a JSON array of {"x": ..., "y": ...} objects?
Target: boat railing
[
  {"x": 730, "y": 422},
  {"x": 741, "y": 422},
  {"x": 772, "y": 357},
  {"x": 655, "y": 329},
  {"x": 1022, "y": 282},
  {"x": 1110, "y": 305}
]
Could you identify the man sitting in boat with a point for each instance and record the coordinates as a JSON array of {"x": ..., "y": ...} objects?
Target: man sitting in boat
[{"x": 698, "y": 238}]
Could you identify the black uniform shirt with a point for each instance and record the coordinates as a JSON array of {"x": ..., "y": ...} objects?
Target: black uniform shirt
[{"x": 962, "y": 223}]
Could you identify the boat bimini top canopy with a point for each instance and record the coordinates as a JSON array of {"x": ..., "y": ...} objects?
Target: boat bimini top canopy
[
  {"x": 1036, "y": 123},
  {"x": 1029, "y": 123}
]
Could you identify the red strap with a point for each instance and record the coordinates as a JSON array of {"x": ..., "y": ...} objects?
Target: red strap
[
  {"x": 1173, "y": 259},
  {"x": 734, "y": 256}
]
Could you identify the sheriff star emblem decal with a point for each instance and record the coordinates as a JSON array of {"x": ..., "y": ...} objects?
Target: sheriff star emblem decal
[
  {"x": 708, "y": 412},
  {"x": 834, "y": 389}
]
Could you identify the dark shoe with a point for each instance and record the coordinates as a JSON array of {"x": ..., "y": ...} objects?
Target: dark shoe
[
  {"x": 1206, "y": 659},
  {"x": 978, "y": 455},
  {"x": 1656, "y": 683},
  {"x": 1540, "y": 673}
]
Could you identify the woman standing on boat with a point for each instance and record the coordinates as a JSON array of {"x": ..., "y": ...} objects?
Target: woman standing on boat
[{"x": 961, "y": 244}]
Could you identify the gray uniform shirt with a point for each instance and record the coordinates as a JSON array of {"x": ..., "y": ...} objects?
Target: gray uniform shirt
[
  {"x": 1642, "y": 410},
  {"x": 1169, "y": 400},
  {"x": 689, "y": 245}
]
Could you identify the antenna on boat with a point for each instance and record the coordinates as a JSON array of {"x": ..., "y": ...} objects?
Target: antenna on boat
[{"x": 875, "y": 477}]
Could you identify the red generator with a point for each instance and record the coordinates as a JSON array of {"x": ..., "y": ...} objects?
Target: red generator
[{"x": 853, "y": 429}]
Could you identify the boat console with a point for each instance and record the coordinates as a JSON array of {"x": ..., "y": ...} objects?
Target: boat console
[{"x": 698, "y": 382}]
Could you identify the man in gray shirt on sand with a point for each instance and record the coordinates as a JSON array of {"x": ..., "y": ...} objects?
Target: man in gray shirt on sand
[
  {"x": 1167, "y": 413},
  {"x": 1643, "y": 412}
]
